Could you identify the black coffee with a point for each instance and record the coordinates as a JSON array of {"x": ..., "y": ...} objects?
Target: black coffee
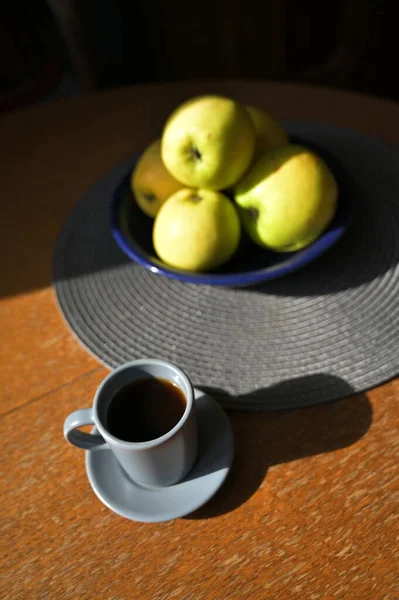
[{"x": 145, "y": 410}]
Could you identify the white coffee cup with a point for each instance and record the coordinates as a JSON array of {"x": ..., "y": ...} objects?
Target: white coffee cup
[{"x": 158, "y": 462}]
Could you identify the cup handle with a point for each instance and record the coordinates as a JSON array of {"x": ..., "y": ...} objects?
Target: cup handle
[{"x": 81, "y": 439}]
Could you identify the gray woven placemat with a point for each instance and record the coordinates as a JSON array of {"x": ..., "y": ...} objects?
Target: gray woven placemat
[{"x": 322, "y": 333}]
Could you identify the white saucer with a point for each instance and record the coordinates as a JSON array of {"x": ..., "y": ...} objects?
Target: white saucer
[{"x": 130, "y": 500}]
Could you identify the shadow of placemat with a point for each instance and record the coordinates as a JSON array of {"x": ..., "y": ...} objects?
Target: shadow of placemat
[{"x": 338, "y": 316}]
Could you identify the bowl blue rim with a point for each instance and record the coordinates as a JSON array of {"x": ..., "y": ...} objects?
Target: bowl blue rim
[{"x": 294, "y": 262}]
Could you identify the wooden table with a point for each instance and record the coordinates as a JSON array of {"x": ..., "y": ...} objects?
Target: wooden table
[{"x": 310, "y": 509}]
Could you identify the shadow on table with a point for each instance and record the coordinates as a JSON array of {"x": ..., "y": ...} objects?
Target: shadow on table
[{"x": 265, "y": 439}]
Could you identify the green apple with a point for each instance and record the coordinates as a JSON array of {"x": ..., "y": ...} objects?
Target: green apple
[
  {"x": 269, "y": 133},
  {"x": 196, "y": 230},
  {"x": 287, "y": 198},
  {"x": 208, "y": 142},
  {"x": 151, "y": 182}
]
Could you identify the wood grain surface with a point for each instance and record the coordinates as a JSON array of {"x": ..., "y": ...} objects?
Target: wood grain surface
[{"x": 310, "y": 509}]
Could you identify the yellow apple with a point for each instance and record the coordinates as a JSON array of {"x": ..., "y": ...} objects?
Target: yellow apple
[
  {"x": 208, "y": 142},
  {"x": 269, "y": 133},
  {"x": 196, "y": 230},
  {"x": 287, "y": 198},
  {"x": 151, "y": 182}
]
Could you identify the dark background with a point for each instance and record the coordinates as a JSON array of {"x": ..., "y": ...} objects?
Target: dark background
[{"x": 53, "y": 48}]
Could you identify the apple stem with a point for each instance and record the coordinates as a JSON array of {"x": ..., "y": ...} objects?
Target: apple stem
[
  {"x": 196, "y": 198},
  {"x": 195, "y": 153},
  {"x": 150, "y": 196},
  {"x": 253, "y": 213}
]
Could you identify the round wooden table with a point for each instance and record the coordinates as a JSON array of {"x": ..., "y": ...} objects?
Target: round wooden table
[{"x": 310, "y": 509}]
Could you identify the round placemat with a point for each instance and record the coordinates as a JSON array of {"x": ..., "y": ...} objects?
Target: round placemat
[{"x": 327, "y": 331}]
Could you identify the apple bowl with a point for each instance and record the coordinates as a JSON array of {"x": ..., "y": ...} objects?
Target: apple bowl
[{"x": 251, "y": 264}]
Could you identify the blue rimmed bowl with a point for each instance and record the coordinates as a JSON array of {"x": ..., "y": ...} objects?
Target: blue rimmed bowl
[{"x": 132, "y": 231}]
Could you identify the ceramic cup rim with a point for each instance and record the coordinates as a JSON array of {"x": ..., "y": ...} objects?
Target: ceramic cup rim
[{"x": 189, "y": 396}]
